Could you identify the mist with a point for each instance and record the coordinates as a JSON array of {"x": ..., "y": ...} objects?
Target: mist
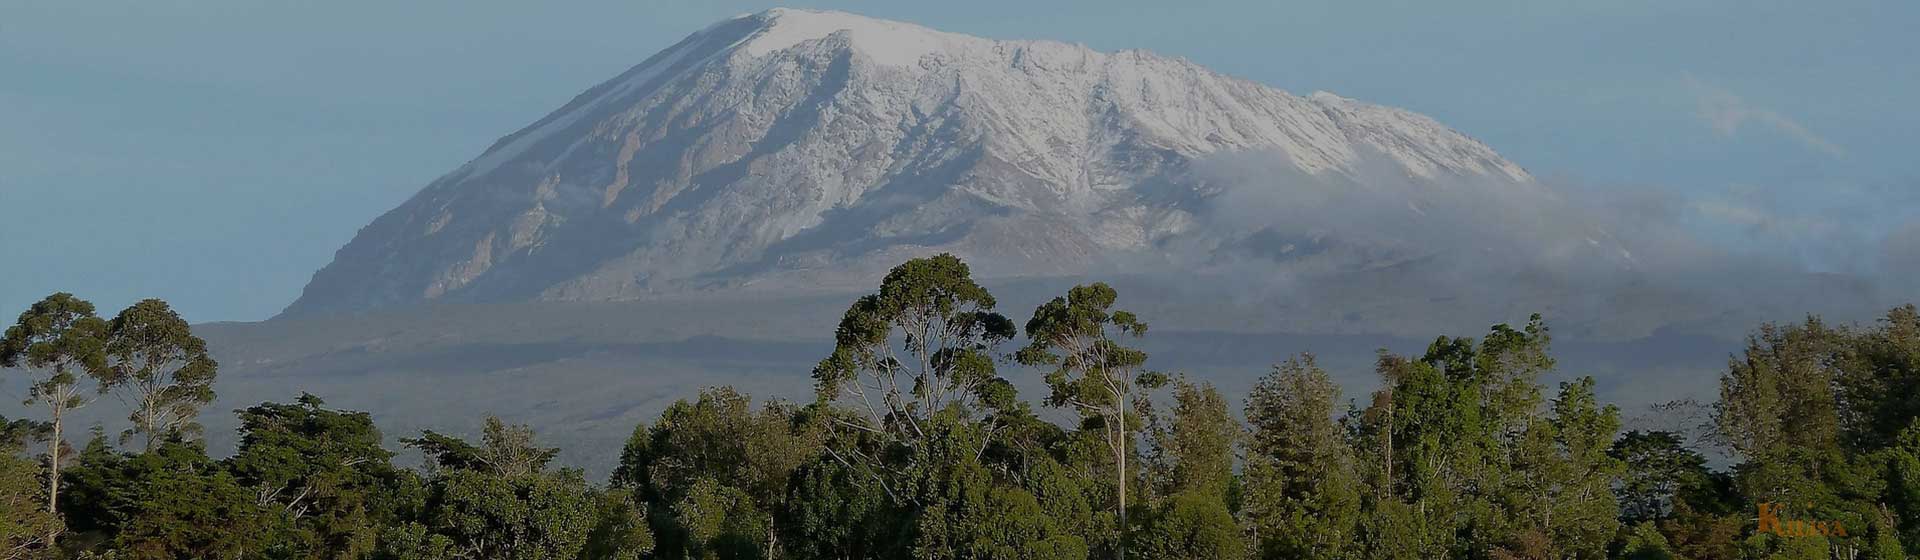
[{"x": 1375, "y": 250}]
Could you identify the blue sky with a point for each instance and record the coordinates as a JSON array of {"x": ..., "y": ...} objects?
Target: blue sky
[{"x": 216, "y": 153}]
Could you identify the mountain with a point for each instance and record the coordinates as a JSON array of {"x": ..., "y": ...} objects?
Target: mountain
[
  {"x": 704, "y": 218},
  {"x": 803, "y": 150}
]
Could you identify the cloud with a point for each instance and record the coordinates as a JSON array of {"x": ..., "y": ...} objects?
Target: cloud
[
  {"x": 1727, "y": 112},
  {"x": 1829, "y": 227},
  {"x": 1373, "y": 250},
  {"x": 1900, "y": 252}
]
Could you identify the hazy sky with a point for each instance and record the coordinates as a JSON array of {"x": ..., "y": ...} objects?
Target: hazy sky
[{"x": 215, "y": 154}]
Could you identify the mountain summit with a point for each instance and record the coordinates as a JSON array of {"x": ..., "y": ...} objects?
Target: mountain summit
[{"x": 797, "y": 149}]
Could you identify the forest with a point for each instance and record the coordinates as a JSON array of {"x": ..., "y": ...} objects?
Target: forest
[{"x": 918, "y": 445}]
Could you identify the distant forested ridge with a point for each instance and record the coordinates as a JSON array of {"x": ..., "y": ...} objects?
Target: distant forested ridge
[{"x": 917, "y": 445}]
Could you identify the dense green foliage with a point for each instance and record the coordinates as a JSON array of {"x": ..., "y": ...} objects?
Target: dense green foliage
[
  {"x": 25, "y": 522},
  {"x": 917, "y": 445}
]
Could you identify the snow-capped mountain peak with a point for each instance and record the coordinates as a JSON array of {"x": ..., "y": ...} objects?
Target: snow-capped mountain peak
[
  {"x": 885, "y": 42},
  {"x": 802, "y": 148}
]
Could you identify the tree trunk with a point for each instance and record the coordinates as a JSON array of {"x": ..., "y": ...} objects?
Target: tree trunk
[
  {"x": 772, "y": 537},
  {"x": 53, "y": 464},
  {"x": 147, "y": 424},
  {"x": 1124, "y": 529},
  {"x": 1121, "y": 458},
  {"x": 1386, "y": 454},
  {"x": 148, "y": 421}
]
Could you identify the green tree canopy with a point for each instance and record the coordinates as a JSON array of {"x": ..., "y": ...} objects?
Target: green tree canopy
[
  {"x": 61, "y": 338},
  {"x": 154, "y": 357},
  {"x": 920, "y": 347}
]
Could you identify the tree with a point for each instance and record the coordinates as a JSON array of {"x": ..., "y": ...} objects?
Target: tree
[
  {"x": 170, "y": 502},
  {"x": 1194, "y": 521},
  {"x": 1199, "y": 441},
  {"x": 1646, "y": 543},
  {"x": 1777, "y": 410},
  {"x": 1091, "y": 372},
  {"x": 543, "y": 516},
  {"x": 1461, "y": 454},
  {"x": 61, "y": 336},
  {"x": 1009, "y": 522},
  {"x": 1879, "y": 379},
  {"x": 1062, "y": 474},
  {"x": 831, "y": 511},
  {"x": 1431, "y": 465},
  {"x": 326, "y": 472},
  {"x": 972, "y": 513},
  {"x": 1902, "y": 462},
  {"x": 497, "y": 500},
  {"x": 931, "y": 310},
  {"x": 1303, "y": 494},
  {"x": 154, "y": 357},
  {"x": 1464, "y": 444},
  {"x": 1192, "y": 526},
  {"x": 1815, "y": 414},
  {"x": 1660, "y": 473},
  {"x": 717, "y": 449},
  {"x": 1583, "y": 511},
  {"x": 619, "y": 528},
  {"x": 184, "y": 505},
  {"x": 101, "y": 489},
  {"x": 24, "y": 521},
  {"x": 504, "y": 450}
]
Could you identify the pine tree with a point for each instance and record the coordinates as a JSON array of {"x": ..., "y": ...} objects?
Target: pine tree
[
  {"x": 1194, "y": 521},
  {"x": 1303, "y": 493},
  {"x": 1583, "y": 515}
]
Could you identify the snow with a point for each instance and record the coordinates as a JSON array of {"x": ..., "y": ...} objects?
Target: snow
[{"x": 890, "y": 43}]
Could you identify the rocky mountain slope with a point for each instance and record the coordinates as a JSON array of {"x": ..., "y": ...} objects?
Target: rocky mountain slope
[{"x": 797, "y": 150}]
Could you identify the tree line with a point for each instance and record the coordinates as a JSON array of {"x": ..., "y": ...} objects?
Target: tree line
[{"x": 917, "y": 444}]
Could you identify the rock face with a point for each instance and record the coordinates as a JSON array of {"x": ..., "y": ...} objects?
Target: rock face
[{"x": 794, "y": 149}]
